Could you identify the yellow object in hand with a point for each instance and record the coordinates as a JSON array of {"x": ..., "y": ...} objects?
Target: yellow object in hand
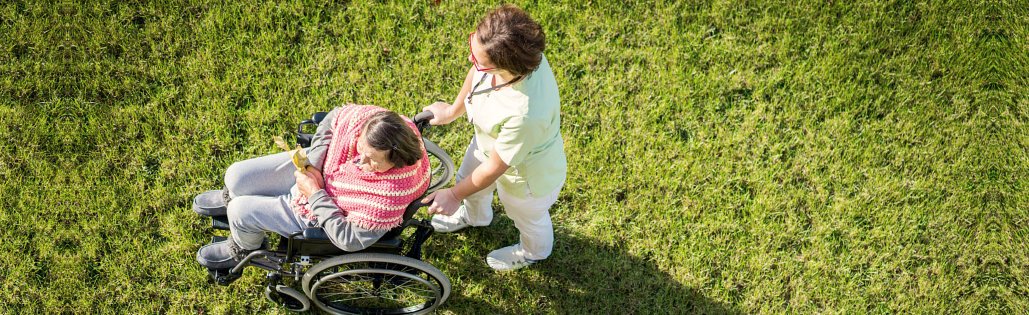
[{"x": 298, "y": 155}]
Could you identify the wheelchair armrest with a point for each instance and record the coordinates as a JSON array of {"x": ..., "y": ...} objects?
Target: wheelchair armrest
[
  {"x": 318, "y": 234},
  {"x": 315, "y": 234},
  {"x": 304, "y": 139},
  {"x": 318, "y": 117},
  {"x": 388, "y": 243}
]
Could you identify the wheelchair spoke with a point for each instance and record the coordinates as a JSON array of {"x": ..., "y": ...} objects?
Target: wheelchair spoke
[
  {"x": 357, "y": 294},
  {"x": 394, "y": 291},
  {"x": 343, "y": 287},
  {"x": 349, "y": 299}
]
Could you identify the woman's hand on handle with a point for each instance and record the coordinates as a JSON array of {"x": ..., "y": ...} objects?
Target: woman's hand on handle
[
  {"x": 443, "y": 202},
  {"x": 442, "y": 112},
  {"x": 446, "y": 113}
]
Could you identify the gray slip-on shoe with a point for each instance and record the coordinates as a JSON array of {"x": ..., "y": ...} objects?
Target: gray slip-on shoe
[
  {"x": 224, "y": 254},
  {"x": 220, "y": 255},
  {"x": 211, "y": 203}
]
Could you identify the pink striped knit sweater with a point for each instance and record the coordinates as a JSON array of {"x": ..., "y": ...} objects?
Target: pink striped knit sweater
[{"x": 372, "y": 200}]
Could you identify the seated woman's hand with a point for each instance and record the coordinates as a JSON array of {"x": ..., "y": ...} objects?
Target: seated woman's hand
[{"x": 309, "y": 181}]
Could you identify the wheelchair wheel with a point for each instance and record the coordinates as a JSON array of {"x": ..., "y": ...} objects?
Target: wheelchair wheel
[
  {"x": 442, "y": 167},
  {"x": 376, "y": 283}
]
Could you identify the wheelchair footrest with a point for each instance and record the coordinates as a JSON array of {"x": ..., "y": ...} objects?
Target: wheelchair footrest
[
  {"x": 223, "y": 276},
  {"x": 220, "y": 222}
]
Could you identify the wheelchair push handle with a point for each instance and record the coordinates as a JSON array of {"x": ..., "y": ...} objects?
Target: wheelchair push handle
[{"x": 422, "y": 120}]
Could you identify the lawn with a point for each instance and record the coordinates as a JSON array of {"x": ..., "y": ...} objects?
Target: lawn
[{"x": 724, "y": 156}]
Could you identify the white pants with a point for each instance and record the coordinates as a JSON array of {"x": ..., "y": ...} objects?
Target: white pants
[{"x": 531, "y": 215}]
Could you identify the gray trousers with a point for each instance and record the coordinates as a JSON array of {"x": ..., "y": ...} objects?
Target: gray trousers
[{"x": 259, "y": 190}]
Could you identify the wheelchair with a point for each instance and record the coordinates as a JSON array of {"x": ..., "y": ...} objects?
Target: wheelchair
[{"x": 388, "y": 277}]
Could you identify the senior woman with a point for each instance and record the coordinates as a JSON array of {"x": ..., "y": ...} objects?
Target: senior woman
[
  {"x": 374, "y": 164},
  {"x": 512, "y": 100}
]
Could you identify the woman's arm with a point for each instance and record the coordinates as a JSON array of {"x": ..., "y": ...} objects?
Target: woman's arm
[
  {"x": 482, "y": 176},
  {"x": 446, "y": 113},
  {"x": 322, "y": 138},
  {"x": 447, "y": 201},
  {"x": 344, "y": 234},
  {"x": 514, "y": 142}
]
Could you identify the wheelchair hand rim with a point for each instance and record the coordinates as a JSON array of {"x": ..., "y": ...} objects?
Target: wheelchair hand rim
[{"x": 427, "y": 305}]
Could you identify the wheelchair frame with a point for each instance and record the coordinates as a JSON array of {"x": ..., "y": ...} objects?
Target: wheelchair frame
[{"x": 302, "y": 257}]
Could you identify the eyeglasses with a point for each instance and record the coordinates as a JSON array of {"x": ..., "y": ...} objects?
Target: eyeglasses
[{"x": 475, "y": 62}]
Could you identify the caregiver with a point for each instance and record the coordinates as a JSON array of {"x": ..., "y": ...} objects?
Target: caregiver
[{"x": 511, "y": 98}]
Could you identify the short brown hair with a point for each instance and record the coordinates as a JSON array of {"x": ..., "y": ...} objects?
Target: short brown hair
[
  {"x": 512, "y": 40},
  {"x": 386, "y": 131}
]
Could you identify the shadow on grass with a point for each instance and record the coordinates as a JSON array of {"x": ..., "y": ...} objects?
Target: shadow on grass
[{"x": 580, "y": 277}]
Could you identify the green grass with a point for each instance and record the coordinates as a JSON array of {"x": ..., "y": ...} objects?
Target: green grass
[{"x": 724, "y": 156}]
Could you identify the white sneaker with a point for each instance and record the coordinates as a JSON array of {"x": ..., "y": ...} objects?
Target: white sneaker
[
  {"x": 508, "y": 258},
  {"x": 448, "y": 223}
]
